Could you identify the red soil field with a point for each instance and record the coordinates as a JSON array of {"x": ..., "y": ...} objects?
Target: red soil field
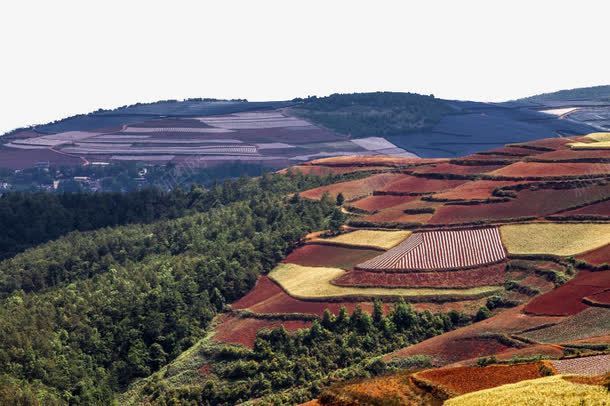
[
  {"x": 235, "y": 330},
  {"x": 460, "y": 380},
  {"x": 567, "y": 299},
  {"x": 374, "y": 160},
  {"x": 595, "y": 209},
  {"x": 492, "y": 275},
  {"x": 573, "y": 155},
  {"x": 555, "y": 169},
  {"x": 380, "y": 202},
  {"x": 329, "y": 256},
  {"x": 551, "y": 143},
  {"x": 267, "y": 297},
  {"x": 453, "y": 346},
  {"x": 599, "y": 299},
  {"x": 474, "y": 190},
  {"x": 457, "y": 169},
  {"x": 593, "y": 365},
  {"x": 542, "y": 202},
  {"x": 598, "y": 256},
  {"x": 413, "y": 184},
  {"x": 397, "y": 214},
  {"x": 13, "y": 158},
  {"x": 354, "y": 188},
  {"x": 535, "y": 281},
  {"x": 550, "y": 350}
]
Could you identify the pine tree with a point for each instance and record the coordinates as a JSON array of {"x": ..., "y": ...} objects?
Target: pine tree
[{"x": 340, "y": 199}]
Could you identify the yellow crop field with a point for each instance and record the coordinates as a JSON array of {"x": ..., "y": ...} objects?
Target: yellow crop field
[
  {"x": 304, "y": 282},
  {"x": 601, "y": 141},
  {"x": 600, "y": 137},
  {"x": 368, "y": 238},
  {"x": 554, "y": 238},
  {"x": 552, "y": 390}
]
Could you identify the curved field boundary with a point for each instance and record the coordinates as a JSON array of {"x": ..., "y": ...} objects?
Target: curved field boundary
[
  {"x": 460, "y": 380},
  {"x": 314, "y": 283},
  {"x": 600, "y": 299},
  {"x": 551, "y": 390},
  {"x": 438, "y": 250},
  {"x": 484, "y": 276},
  {"x": 374, "y": 239},
  {"x": 561, "y": 239}
]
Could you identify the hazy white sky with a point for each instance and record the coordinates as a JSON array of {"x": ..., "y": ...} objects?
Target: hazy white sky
[{"x": 65, "y": 57}]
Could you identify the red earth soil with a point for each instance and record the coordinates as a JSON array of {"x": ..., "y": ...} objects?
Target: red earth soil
[
  {"x": 453, "y": 346},
  {"x": 457, "y": 169},
  {"x": 330, "y": 256},
  {"x": 549, "y": 350},
  {"x": 595, "y": 209},
  {"x": 235, "y": 330},
  {"x": 567, "y": 299},
  {"x": 267, "y": 297},
  {"x": 13, "y": 158},
  {"x": 597, "y": 256},
  {"x": 539, "y": 282},
  {"x": 380, "y": 202},
  {"x": 538, "y": 203},
  {"x": 599, "y": 299},
  {"x": 592, "y": 365},
  {"x": 573, "y": 155},
  {"x": 491, "y": 275},
  {"x": 354, "y": 188},
  {"x": 397, "y": 214},
  {"x": 474, "y": 190},
  {"x": 413, "y": 184},
  {"x": 460, "y": 380},
  {"x": 551, "y": 143},
  {"x": 555, "y": 169},
  {"x": 486, "y": 159},
  {"x": 374, "y": 160},
  {"x": 331, "y": 170}
]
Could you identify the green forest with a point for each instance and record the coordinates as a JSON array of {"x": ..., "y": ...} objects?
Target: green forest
[
  {"x": 86, "y": 314},
  {"x": 373, "y": 114}
]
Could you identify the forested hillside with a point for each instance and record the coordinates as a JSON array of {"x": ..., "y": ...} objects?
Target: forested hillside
[
  {"x": 373, "y": 114},
  {"x": 83, "y": 316}
]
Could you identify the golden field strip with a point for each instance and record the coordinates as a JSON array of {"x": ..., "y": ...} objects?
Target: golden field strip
[
  {"x": 552, "y": 390},
  {"x": 561, "y": 239},
  {"x": 303, "y": 282},
  {"x": 368, "y": 238},
  {"x": 601, "y": 141}
]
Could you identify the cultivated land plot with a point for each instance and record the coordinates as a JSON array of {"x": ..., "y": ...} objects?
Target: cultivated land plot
[
  {"x": 437, "y": 250},
  {"x": 319, "y": 170},
  {"x": 236, "y": 330},
  {"x": 598, "y": 299},
  {"x": 311, "y": 283},
  {"x": 591, "y": 322},
  {"x": 380, "y": 202},
  {"x": 554, "y": 238},
  {"x": 445, "y": 168},
  {"x": 333, "y": 256},
  {"x": 484, "y": 276},
  {"x": 568, "y": 298},
  {"x": 408, "y": 184},
  {"x": 353, "y": 189},
  {"x": 420, "y": 212},
  {"x": 536, "y": 203},
  {"x": 268, "y": 298},
  {"x": 473, "y": 190},
  {"x": 572, "y": 155},
  {"x": 376, "y": 239},
  {"x": 388, "y": 161},
  {"x": 460, "y": 380},
  {"x": 597, "y": 256},
  {"x": 552, "y": 390},
  {"x": 553, "y": 170},
  {"x": 594, "y": 365},
  {"x": 595, "y": 209}
]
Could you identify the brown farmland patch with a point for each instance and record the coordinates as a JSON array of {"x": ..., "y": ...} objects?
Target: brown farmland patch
[
  {"x": 591, "y": 322},
  {"x": 381, "y": 202},
  {"x": 453, "y": 169},
  {"x": 597, "y": 256},
  {"x": 418, "y": 185},
  {"x": 236, "y": 330},
  {"x": 352, "y": 189},
  {"x": 473, "y": 190},
  {"x": 484, "y": 276},
  {"x": 567, "y": 299},
  {"x": 555, "y": 169},
  {"x": 460, "y": 380},
  {"x": 590, "y": 366},
  {"x": 330, "y": 256}
]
